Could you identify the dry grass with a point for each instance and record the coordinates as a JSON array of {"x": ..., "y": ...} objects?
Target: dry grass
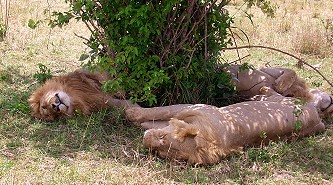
[
  {"x": 106, "y": 149},
  {"x": 297, "y": 25},
  {"x": 310, "y": 40}
]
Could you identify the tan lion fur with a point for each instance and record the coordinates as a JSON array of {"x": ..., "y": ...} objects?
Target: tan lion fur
[
  {"x": 323, "y": 101},
  {"x": 204, "y": 134},
  {"x": 77, "y": 91},
  {"x": 282, "y": 80}
]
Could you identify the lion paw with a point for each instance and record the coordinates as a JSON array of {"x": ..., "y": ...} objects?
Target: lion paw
[
  {"x": 266, "y": 90},
  {"x": 134, "y": 114}
]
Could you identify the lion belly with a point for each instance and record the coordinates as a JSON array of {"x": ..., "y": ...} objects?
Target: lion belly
[{"x": 250, "y": 82}]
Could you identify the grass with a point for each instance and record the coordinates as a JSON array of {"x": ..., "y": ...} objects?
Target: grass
[{"x": 106, "y": 149}]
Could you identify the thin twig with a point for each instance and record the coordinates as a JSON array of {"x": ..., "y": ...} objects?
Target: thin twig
[
  {"x": 191, "y": 56},
  {"x": 278, "y": 50},
  {"x": 235, "y": 61},
  {"x": 1, "y": 9},
  {"x": 206, "y": 33},
  {"x": 99, "y": 34},
  {"x": 7, "y": 12},
  {"x": 49, "y": 36},
  {"x": 167, "y": 49},
  {"x": 189, "y": 33},
  {"x": 233, "y": 37},
  {"x": 81, "y": 37}
]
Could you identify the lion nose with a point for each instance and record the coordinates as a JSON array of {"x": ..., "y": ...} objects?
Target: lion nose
[
  {"x": 55, "y": 107},
  {"x": 57, "y": 101}
]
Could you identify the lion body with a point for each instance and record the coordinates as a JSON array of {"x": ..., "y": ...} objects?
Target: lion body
[
  {"x": 204, "y": 134},
  {"x": 282, "y": 80}
]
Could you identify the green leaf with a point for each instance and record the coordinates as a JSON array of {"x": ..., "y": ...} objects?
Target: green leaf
[
  {"x": 298, "y": 125},
  {"x": 32, "y": 24},
  {"x": 83, "y": 57},
  {"x": 135, "y": 50}
]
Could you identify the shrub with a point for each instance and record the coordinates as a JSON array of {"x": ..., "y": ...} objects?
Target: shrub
[
  {"x": 43, "y": 74},
  {"x": 159, "y": 52}
]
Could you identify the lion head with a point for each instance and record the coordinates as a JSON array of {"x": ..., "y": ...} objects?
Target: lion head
[
  {"x": 175, "y": 141},
  {"x": 61, "y": 96},
  {"x": 51, "y": 104}
]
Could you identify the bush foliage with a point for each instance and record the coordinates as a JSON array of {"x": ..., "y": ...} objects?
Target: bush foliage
[{"x": 159, "y": 51}]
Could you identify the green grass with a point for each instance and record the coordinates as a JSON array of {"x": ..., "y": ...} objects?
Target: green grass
[{"x": 104, "y": 148}]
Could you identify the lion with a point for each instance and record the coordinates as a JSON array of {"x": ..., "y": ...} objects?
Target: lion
[
  {"x": 285, "y": 81},
  {"x": 282, "y": 80},
  {"x": 76, "y": 91},
  {"x": 204, "y": 134}
]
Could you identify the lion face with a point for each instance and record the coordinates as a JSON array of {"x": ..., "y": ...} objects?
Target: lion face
[
  {"x": 174, "y": 141},
  {"x": 51, "y": 105},
  {"x": 166, "y": 144}
]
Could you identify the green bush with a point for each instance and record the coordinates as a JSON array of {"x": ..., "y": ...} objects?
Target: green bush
[
  {"x": 43, "y": 74},
  {"x": 159, "y": 52}
]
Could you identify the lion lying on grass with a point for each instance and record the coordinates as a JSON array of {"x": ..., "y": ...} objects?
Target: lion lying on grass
[
  {"x": 284, "y": 81},
  {"x": 204, "y": 134},
  {"x": 77, "y": 91}
]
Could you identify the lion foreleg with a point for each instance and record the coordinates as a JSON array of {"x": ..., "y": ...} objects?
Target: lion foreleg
[
  {"x": 140, "y": 115},
  {"x": 114, "y": 102},
  {"x": 154, "y": 124}
]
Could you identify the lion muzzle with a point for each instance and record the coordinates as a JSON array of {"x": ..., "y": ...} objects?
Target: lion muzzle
[
  {"x": 58, "y": 105},
  {"x": 152, "y": 139}
]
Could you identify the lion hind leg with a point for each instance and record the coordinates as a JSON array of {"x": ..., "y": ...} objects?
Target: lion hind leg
[{"x": 114, "y": 102}]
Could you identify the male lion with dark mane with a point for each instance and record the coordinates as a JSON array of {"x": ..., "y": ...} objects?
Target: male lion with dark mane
[
  {"x": 76, "y": 91},
  {"x": 204, "y": 134}
]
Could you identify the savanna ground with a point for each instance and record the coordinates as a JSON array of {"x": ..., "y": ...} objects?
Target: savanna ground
[{"x": 106, "y": 149}]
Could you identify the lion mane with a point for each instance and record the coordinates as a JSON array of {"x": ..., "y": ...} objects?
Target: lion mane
[{"x": 76, "y": 91}]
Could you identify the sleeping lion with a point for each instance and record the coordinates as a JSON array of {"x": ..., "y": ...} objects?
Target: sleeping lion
[
  {"x": 204, "y": 134},
  {"x": 77, "y": 91},
  {"x": 285, "y": 81}
]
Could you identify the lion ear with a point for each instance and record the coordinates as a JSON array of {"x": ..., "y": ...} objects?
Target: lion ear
[{"x": 183, "y": 129}]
